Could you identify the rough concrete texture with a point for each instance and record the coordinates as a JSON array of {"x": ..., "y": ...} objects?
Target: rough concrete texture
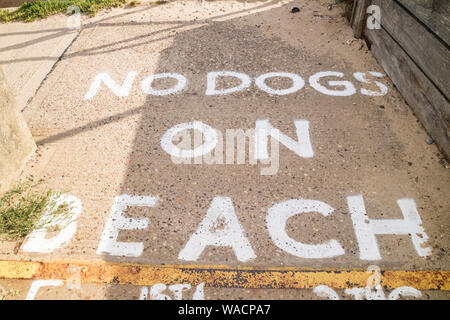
[
  {"x": 108, "y": 146},
  {"x": 16, "y": 142}
]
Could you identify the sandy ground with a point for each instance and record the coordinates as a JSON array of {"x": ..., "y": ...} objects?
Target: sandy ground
[{"x": 107, "y": 146}]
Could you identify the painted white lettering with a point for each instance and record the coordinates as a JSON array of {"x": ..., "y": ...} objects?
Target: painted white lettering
[
  {"x": 324, "y": 291},
  {"x": 211, "y": 79},
  {"x": 302, "y": 147},
  {"x": 297, "y": 83},
  {"x": 120, "y": 91},
  {"x": 360, "y": 76},
  {"x": 231, "y": 235},
  {"x": 366, "y": 229},
  {"x": 276, "y": 223},
  {"x": 178, "y": 289},
  {"x": 349, "y": 88},
  {"x": 156, "y": 292},
  {"x": 181, "y": 84},
  {"x": 37, "y": 284},
  {"x": 108, "y": 242},
  {"x": 210, "y": 137},
  {"x": 37, "y": 241},
  {"x": 404, "y": 292},
  {"x": 199, "y": 293}
]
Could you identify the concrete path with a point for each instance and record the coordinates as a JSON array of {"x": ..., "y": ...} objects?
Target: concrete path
[
  {"x": 28, "y": 52},
  {"x": 136, "y": 122}
]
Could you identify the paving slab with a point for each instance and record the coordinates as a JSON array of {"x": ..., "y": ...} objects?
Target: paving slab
[
  {"x": 105, "y": 129},
  {"x": 28, "y": 52}
]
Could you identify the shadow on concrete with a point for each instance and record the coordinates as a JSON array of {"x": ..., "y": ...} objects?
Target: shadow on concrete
[
  {"x": 185, "y": 192},
  {"x": 101, "y": 23}
]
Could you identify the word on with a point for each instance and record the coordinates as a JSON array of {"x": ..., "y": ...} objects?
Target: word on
[{"x": 209, "y": 144}]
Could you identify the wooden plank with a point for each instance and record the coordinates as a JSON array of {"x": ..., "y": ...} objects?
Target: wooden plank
[
  {"x": 428, "y": 103},
  {"x": 358, "y": 20},
  {"x": 352, "y": 17},
  {"x": 435, "y": 14},
  {"x": 427, "y": 51}
]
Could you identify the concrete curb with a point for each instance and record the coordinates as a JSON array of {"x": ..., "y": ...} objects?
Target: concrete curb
[{"x": 221, "y": 276}]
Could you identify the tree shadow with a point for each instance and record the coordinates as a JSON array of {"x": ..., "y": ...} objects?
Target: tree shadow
[{"x": 59, "y": 32}]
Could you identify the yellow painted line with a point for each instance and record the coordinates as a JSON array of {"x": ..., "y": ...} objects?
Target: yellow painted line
[{"x": 221, "y": 276}]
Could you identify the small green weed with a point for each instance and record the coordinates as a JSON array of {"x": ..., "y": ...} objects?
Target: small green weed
[
  {"x": 22, "y": 208},
  {"x": 31, "y": 11},
  {"x": 4, "y": 295}
]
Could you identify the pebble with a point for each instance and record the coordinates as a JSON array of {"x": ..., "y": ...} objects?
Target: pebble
[{"x": 430, "y": 141}]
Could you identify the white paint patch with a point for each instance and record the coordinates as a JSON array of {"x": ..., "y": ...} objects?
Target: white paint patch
[
  {"x": 156, "y": 292},
  {"x": 143, "y": 294},
  {"x": 211, "y": 79},
  {"x": 178, "y": 289},
  {"x": 231, "y": 235},
  {"x": 366, "y": 229},
  {"x": 37, "y": 284},
  {"x": 302, "y": 147},
  {"x": 120, "y": 91},
  {"x": 276, "y": 224},
  {"x": 37, "y": 241},
  {"x": 404, "y": 292},
  {"x": 377, "y": 294},
  {"x": 360, "y": 76},
  {"x": 325, "y": 292},
  {"x": 108, "y": 242},
  {"x": 357, "y": 293},
  {"x": 297, "y": 83},
  {"x": 349, "y": 88},
  {"x": 372, "y": 291},
  {"x": 209, "y": 134},
  {"x": 199, "y": 293},
  {"x": 181, "y": 84}
]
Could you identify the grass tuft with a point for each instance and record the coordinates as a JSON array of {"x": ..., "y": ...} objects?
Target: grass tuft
[
  {"x": 30, "y": 11},
  {"x": 22, "y": 208},
  {"x": 4, "y": 295}
]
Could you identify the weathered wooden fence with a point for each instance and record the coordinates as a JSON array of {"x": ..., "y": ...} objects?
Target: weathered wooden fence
[{"x": 412, "y": 46}]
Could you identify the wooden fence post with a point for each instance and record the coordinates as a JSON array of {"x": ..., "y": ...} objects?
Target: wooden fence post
[{"x": 358, "y": 20}]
